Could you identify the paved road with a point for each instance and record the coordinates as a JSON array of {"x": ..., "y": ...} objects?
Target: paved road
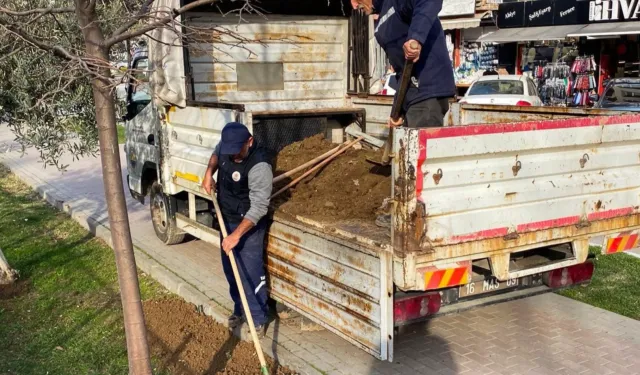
[{"x": 546, "y": 334}]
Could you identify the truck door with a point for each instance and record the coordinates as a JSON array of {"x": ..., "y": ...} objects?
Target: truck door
[{"x": 141, "y": 128}]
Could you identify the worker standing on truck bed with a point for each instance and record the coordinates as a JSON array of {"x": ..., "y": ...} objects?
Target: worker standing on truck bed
[
  {"x": 245, "y": 180},
  {"x": 401, "y": 23}
]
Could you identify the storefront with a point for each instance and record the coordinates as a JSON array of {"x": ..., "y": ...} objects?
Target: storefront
[
  {"x": 571, "y": 47},
  {"x": 463, "y": 23}
]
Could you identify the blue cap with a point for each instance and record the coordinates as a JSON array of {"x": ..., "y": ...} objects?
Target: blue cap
[{"x": 234, "y": 136}]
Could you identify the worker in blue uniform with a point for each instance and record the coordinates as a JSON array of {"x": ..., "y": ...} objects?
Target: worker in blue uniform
[
  {"x": 245, "y": 180},
  {"x": 400, "y": 23}
]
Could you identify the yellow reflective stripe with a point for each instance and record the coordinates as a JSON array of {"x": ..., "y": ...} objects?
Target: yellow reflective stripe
[
  {"x": 623, "y": 243},
  {"x": 447, "y": 277},
  {"x": 188, "y": 176}
]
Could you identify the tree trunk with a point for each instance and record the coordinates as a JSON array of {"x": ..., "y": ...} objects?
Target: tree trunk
[
  {"x": 7, "y": 274},
  {"x": 137, "y": 347}
]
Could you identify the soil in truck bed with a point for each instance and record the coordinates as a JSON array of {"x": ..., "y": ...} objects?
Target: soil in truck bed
[{"x": 348, "y": 188}]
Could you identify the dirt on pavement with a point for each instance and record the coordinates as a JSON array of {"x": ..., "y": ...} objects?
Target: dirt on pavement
[
  {"x": 349, "y": 187},
  {"x": 189, "y": 343}
]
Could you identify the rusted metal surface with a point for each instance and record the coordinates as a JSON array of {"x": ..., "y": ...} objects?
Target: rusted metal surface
[
  {"x": 337, "y": 285},
  {"x": 572, "y": 179},
  {"x": 312, "y": 52},
  {"x": 468, "y": 114}
]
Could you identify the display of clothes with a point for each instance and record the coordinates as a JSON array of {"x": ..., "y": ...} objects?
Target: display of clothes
[
  {"x": 584, "y": 81},
  {"x": 555, "y": 91},
  {"x": 475, "y": 59},
  {"x": 554, "y": 83}
]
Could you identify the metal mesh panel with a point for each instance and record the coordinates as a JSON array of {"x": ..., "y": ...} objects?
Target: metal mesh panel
[{"x": 275, "y": 134}]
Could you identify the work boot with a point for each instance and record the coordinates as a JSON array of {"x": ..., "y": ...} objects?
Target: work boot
[
  {"x": 235, "y": 321},
  {"x": 384, "y": 221}
]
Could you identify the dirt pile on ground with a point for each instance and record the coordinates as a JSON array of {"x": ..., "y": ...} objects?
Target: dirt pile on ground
[
  {"x": 18, "y": 288},
  {"x": 349, "y": 187},
  {"x": 190, "y": 343}
]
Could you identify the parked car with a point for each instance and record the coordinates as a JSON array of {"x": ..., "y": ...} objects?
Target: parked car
[
  {"x": 621, "y": 94},
  {"x": 503, "y": 90},
  {"x": 387, "y": 89}
]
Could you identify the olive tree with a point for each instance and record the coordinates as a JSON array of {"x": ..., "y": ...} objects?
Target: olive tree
[
  {"x": 7, "y": 274},
  {"x": 56, "y": 92}
]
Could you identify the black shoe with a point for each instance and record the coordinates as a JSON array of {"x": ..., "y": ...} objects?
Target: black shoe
[{"x": 235, "y": 321}]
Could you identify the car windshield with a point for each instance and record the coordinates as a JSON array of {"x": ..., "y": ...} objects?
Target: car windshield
[
  {"x": 497, "y": 87},
  {"x": 622, "y": 94}
]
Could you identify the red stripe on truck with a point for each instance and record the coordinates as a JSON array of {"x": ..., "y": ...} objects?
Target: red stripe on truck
[
  {"x": 546, "y": 224},
  {"x": 482, "y": 129},
  {"x": 602, "y": 215},
  {"x": 490, "y": 233}
]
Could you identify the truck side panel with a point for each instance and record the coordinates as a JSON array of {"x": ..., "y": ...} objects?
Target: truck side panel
[
  {"x": 346, "y": 288},
  {"x": 189, "y": 137},
  {"x": 482, "y": 189},
  {"x": 308, "y": 57}
]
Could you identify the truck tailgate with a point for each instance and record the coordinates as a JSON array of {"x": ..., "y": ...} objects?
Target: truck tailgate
[{"x": 470, "y": 192}]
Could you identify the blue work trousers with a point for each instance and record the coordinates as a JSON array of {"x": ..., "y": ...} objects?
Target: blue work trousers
[{"x": 250, "y": 260}]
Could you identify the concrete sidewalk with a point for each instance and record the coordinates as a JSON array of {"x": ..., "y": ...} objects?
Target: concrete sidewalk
[{"x": 536, "y": 335}]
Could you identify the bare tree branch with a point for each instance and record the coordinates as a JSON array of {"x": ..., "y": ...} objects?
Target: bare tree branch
[
  {"x": 31, "y": 12},
  {"x": 144, "y": 9},
  {"x": 159, "y": 23}
]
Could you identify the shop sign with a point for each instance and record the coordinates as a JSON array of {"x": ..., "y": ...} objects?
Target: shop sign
[
  {"x": 613, "y": 10},
  {"x": 511, "y": 15},
  {"x": 539, "y": 13},
  {"x": 565, "y": 13},
  {"x": 457, "y": 8}
]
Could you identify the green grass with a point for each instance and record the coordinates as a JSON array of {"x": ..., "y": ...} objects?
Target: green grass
[
  {"x": 68, "y": 320},
  {"x": 121, "y": 137},
  {"x": 615, "y": 285}
]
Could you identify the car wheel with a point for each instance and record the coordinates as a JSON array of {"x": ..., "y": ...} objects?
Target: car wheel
[{"x": 163, "y": 217}]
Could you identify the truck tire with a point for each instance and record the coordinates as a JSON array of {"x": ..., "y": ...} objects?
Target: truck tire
[{"x": 163, "y": 216}]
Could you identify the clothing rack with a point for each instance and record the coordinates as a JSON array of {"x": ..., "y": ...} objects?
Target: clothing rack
[
  {"x": 553, "y": 81},
  {"x": 583, "y": 71}
]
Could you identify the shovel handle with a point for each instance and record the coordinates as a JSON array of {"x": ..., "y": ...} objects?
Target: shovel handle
[
  {"x": 396, "y": 110},
  {"x": 243, "y": 297}
]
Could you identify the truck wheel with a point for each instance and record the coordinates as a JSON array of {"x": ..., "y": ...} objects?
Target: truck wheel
[{"x": 163, "y": 217}]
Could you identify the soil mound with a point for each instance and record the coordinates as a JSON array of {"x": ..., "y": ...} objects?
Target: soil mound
[
  {"x": 190, "y": 343},
  {"x": 348, "y": 188}
]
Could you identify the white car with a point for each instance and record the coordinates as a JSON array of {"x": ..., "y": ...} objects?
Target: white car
[
  {"x": 387, "y": 89},
  {"x": 503, "y": 90}
]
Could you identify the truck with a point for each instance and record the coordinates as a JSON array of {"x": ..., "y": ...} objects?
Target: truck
[{"x": 502, "y": 201}]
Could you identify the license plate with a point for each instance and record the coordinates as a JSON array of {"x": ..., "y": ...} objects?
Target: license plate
[{"x": 487, "y": 286}]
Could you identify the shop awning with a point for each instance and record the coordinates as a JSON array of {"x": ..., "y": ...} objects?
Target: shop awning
[
  {"x": 527, "y": 34},
  {"x": 463, "y": 22},
  {"x": 607, "y": 29}
]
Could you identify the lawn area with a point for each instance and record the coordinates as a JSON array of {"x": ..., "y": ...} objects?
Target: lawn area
[
  {"x": 615, "y": 285},
  {"x": 64, "y": 315},
  {"x": 67, "y": 319},
  {"x": 121, "y": 137}
]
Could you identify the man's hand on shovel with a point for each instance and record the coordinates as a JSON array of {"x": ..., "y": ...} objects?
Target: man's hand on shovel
[
  {"x": 230, "y": 242},
  {"x": 391, "y": 123}
]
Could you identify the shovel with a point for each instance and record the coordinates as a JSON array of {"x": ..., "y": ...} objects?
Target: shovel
[
  {"x": 397, "y": 108},
  {"x": 243, "y": 297}
]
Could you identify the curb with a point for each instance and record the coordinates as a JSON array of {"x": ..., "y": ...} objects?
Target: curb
[{"x": 171, "y": 281}]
